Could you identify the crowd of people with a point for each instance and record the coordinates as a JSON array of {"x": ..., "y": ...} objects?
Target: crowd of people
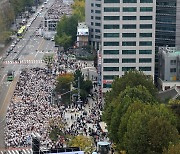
[
  {"x": 31, "y": 109},
  {"x": 58, "y": 9}
]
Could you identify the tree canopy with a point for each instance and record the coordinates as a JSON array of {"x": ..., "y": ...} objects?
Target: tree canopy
[
  {"x": 85, "y": 143},
  {"x": 67, "y": 26},
  {"x": 136, "y": 121},
  {"x": 147, "y": 129}
]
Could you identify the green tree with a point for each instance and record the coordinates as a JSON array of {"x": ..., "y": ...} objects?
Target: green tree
[
  {"x": 78, "y": 74},
  {"x": 64, "y": 86},
  {"x": 147, "y": 129},
  {"x": 85, "y": 143},
  {"x": 118, "y": 107},
  {"x": 66, "y": 31},
  {"x": 79, "y": 9},
  {"x": 48, "y": 59},
  {"x": 172, "y": 149},
  {"x": 64, "y": 41},
  {"x": 132, "y": 79},
  {"x": 56, "y": 128},
  {"x": 87, "y": 86}
]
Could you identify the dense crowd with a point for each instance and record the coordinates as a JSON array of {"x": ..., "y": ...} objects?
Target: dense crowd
[
  {"x": 31, "y": 108},
  {"x": 58, "y": 9}
]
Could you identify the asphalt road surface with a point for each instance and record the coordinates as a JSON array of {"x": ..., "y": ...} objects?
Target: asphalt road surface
[{"x": 29, "y": 51}]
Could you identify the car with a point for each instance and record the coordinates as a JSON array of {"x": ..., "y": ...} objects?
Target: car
[
  {"x": 15, "y": 51},
  {"x": 18, "y": 40}
]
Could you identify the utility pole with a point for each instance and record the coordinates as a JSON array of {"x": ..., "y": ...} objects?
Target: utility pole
[{"x": 79, "y": 99}]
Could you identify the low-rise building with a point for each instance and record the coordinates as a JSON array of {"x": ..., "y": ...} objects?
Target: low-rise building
[
  {"x": 169, "y": 68},
  {"x": 82, "y": 34}
]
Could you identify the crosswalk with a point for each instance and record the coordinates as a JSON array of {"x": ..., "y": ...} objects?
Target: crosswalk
[
  {"x": 17, "y": 151},
  {"x": 23, "y": 62}
]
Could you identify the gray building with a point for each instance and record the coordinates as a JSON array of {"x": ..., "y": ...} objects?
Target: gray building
[
  {"x": 93, "y": 21},
  {"x": 167, "y": 23},
  {"x": 169, "y": 67},
  {"x": 167, "y": 26}
]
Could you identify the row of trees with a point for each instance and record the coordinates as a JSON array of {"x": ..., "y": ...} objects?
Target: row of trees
[
  {"x": 137, "y": 122},
  {"x": 67, "y": 26},
  {"x": 8, "y": 13}
]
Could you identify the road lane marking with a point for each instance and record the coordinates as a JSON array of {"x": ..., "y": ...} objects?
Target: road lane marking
[{"x": 2, "y": 79}]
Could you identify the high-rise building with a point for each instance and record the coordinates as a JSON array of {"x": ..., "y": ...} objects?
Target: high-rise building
[
  {"x": 167, "y": 23},
  {"x": 128, "y": 38},
  {"x": 167, "y": 26},
  {"x": 93, "y": 21}
]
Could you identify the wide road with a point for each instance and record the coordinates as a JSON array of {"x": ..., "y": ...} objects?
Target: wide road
[{"x": 29, "y": 53}]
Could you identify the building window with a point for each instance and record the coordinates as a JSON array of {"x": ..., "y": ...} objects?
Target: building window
[
  {"x": 129, "y": 26},
  {"x": 111, "y": 9},
  {"x": 145, "y": 51},
  {"x": 129, "y": 9},
  {"x": 173, "y": 62},
  {"x": 145, "y": 35},
  {"x": 107, "y": 85},
  {"x": 129, "y": 17},
  {"x": 129, "y": 1},
  {"x": 97, "y": 30},
  {"x": 111, "y": 43},
  {"x": 173, "y": 70},
  {"x": 111, "y": 34},
  {"x": 111, "y": 52},
  {"x": 144, "y": 68},
  {"x": 98, "y": 18},
  {"x": 92, "y": 17},
  {"x": 146, "y": 18},
  {"x": 111, "y": 1},
  {"x": 98, "y": 5},
  {"x": 145, "y": 43},
  {"x": 97, "y": 36},
  {"x": 111, "y": 17},
  {"x": 129, "y": 60},
  {"x": 129, "y": 43},
  {"x": 92, "y": 11},
  {"x": 128, "y": 68},
  {"x": 97, "y": 24},
  {"x": 128, "y": 52},
  {"x": 128, "y": 34},
  {"x": 145, "y": 26},
  {"x": 110, "y": 77},
  {"x": 97, "y": 11},
  {"x": 146, "y": 9},
  {"x": 92, "y": 36},
  {"x": 110, "y": 68},
  {"x": 111, "y": 26},
  {"x": 112, "y": 60},
  {"x": 92, "y": 23},
  {"x": 146, "y": 1},
  {"x": 92, "y": 4},
  {"x": 145, "y": 60}
]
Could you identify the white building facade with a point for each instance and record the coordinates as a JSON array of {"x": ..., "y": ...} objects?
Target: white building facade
[{"x": 128, "y": 38}]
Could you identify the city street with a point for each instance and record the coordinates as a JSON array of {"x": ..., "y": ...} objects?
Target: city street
[{"x": 29, "y": 51}]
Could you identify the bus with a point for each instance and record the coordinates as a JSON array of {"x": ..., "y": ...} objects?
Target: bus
[
  {"x": 10, "y": 75},
  {"x": 21, "y": 32}
]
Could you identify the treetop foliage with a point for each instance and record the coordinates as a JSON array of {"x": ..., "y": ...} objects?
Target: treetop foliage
[{"x": 136, "y": 121}]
